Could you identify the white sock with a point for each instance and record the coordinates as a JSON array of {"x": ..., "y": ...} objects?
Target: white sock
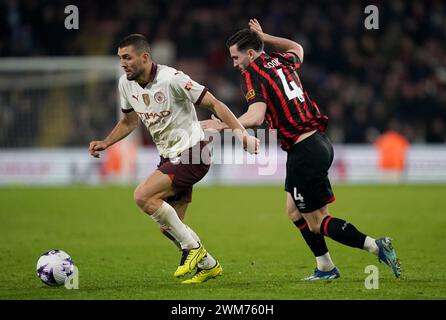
[
  {"x": 324, "y": 262},
  {"x": 167, "y": 216},
  {"x": 208, "y": 261},
  {"x": 370, "y": 246},
  {"x": 193, "y": 234}
]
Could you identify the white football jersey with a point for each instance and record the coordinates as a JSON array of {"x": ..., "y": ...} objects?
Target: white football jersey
[{"x": 166, "y": 107}]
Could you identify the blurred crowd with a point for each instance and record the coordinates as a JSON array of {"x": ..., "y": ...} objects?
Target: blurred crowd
[{"x": 366, "y": 81}]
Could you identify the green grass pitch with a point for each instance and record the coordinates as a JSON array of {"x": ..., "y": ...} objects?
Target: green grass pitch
[{"x": 122, "y": 255}]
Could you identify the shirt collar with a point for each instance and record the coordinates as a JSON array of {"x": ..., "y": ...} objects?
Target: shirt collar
[
  {"x": 260, "y": 57},
  {"x": 151, "y": 76},
  {"x": 153, "y": 72}
]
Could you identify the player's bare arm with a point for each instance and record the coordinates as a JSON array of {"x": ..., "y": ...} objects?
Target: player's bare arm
[
  {"x": 278, "y": 43},
  {"x": 252, "y": 118},
  {"x": 125, "y": 126},
  {"x": 250, "y": 143},
  {"x": 255, "y": 115}
]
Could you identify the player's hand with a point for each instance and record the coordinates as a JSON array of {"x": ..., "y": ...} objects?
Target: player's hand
[
  {"x": 254, "y": 25},
  {"x": 251, "y": 144},
  {"x": 96, "y": 146},
  {"x": 212, "y": 124}
]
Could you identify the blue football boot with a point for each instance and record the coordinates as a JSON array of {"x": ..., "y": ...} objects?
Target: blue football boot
[{"x": 388, "y": 255}]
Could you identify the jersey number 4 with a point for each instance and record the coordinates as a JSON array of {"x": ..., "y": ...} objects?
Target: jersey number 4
[{"x": 292, "y": 90}]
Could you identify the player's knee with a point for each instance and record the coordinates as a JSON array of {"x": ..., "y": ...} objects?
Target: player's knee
[
  {"x": 147, "y": 203},
  {"x": 139, "y": 198},
  {"x": 314, "y": 227},
  {"x": 294, "y": 215}
]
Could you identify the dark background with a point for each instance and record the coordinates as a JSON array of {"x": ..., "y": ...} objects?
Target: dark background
[{"x": 366, "y": 81}]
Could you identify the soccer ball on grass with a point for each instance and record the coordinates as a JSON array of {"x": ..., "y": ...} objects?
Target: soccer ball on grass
[{"x": 54, "y": 267}]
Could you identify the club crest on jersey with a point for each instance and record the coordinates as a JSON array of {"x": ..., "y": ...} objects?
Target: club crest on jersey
[
  {"x": 146, "y": 98},
  {"x": 188, "y": 86},
  {"x": 160, "y": 97},
  {"x": 250, "y": 95}
]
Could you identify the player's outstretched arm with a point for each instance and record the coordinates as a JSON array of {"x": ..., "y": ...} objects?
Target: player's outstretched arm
[
  {"x": 252, "y": 118},
  {"x": 123, "y": 128},
  {"x": 278, "y": 43},
  {"x": 250, "y": 143},
  {"x": 255, "y": 115}
]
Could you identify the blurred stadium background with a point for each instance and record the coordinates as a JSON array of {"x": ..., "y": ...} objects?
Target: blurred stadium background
[
  {"x": 384, "y": 92},
  {"x": 58, "y": 86}
]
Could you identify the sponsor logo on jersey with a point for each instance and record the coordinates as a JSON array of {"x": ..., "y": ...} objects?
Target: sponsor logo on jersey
[
  {"x": 250, "y": 95},
  {"x": 150, "y": 118},
  {"x": 135, "y": 97},
  {"x": 146, "y": 98},
  {"x": 160, "y": 97}
]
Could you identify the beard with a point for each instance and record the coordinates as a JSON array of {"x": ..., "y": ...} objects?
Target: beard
[{"x": 133, "y": 75}]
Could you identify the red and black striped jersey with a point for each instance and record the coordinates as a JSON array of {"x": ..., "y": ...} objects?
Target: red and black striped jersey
[{"x": 273, "y": 79}]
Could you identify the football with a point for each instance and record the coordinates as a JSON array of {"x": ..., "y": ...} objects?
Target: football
[{"x": 54, "y": 267}]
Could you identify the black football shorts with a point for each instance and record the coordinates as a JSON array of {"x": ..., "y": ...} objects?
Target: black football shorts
[{"x": 307, "y": 173}]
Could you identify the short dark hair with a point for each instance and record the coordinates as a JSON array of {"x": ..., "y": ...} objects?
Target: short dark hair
[
  {"x": 136, "y": 40},
  {"x": 246, "y": 39}
]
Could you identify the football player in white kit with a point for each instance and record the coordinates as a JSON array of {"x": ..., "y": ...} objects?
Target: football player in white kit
[{"x": 164, "y": 98}]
